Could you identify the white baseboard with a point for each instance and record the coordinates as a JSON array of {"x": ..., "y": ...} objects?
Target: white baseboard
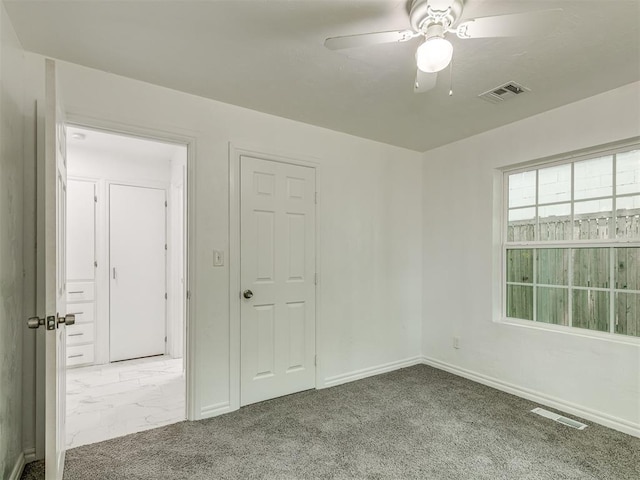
[
  {"x": 29, "y": 455},
  {"x": 214, "y": 410},
  {"x": 16, "y": 473},
  {"x": 371, "y": 371},
  {"x": 610, "y": 421}
]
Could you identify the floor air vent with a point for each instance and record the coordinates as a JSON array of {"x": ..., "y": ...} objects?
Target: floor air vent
[
  {"x": 559, "y": 418},
  {"x": 503, "y": 92}
]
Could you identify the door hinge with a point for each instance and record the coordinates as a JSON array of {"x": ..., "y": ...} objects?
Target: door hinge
[
  {"x": 95, "y": 199},
  {"x": 315, "y": 200},
  {"x": 315, "y": 360},
  {"x": 165, "y": 246},
  {"x": 165, "y": 203},
  {"x": 188, "y": 294},
  {"x": 95, "y": 263},
  {"x": 165, "y": 339},
  {"x": 315, "y": 278},
  {"x": 165, "y": 295}
]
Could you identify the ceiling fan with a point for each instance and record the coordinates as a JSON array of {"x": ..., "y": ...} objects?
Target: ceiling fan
[{"x": 432, "y": 20}]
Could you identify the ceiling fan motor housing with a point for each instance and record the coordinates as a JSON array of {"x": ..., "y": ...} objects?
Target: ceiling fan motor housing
[{"x": 425, "y": 13}]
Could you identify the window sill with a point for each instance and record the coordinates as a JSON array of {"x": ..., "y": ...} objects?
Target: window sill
[{"x": 578, "y": 332}]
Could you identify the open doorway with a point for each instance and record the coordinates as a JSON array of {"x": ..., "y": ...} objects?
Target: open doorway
[{"x": 126, "y": 283}]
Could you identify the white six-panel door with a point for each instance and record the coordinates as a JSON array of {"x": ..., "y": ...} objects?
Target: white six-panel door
[
  {"x": 54, "y": 294},
  {"x": 137, "y": 257},
  {"x": 277, "y": 257}
]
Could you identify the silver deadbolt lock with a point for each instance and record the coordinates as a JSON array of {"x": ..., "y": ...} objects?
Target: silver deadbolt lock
[{"x": 247, "y": 294}]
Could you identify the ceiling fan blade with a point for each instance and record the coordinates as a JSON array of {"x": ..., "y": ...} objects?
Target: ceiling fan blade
[
  {"x": 367, "y": 39},
  {"x": 513, "y": 25},
  {"x": 424, "y": 81}
]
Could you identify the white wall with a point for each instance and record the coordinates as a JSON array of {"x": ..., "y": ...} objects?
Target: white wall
[
  {"x": 12, "y": 322},
  {"x": 594, "y": 377},
  {"x": 370, "y": 210}
]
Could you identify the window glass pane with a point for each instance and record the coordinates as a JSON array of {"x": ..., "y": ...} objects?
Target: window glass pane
[
  {"x": 593, "y": 178},
  {"x": 522, "y": 189},
  {"x": 521, "y": 226},
  {"x": 628, "y": 172},
  {"x": 628, "y": 205},
  {"x": 554, "y": 222},
  {"x": 520, "y": 266},
  {"x": 628, "y": 314},
  {"x": 591, "y": 267},
  {"x": 553, "y": 305},
  {"x": 627, "y": 269},
  {"x": 591, "y": 310},
  {"x": 593, "y": 208},
  {"x": 592, "y": 219},
  {"x": 520, "y": 214},
  {"x": 520, "y": 302},
  {"x": 628, "y": 217},
  {"x": 554, "y": 184},
  {"x": 553, "y": 266}
]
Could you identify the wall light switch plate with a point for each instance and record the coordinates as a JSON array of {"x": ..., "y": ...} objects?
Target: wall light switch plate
[{"x": 218, "y": 258}]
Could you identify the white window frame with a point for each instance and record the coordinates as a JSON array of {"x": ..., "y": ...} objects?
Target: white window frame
[{"x": 611, "y": 243}]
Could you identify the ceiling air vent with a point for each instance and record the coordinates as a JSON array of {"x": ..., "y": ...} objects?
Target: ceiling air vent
[{"x": 503, "y": 92}]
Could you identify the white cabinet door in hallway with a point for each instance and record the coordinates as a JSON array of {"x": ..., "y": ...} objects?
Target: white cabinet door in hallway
[
  {"x": 277, "y": 257},
  {"x": 137, "y": 257}
]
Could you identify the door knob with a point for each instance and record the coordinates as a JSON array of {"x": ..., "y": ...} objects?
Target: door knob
[
  {"x": 247, "y": 294},
  {"x": 68, "y": 319},
  {"x": 35, "y": 322}
]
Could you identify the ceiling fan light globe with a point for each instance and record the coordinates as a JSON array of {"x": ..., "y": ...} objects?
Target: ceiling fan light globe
[{"x": 434, "y": 54}]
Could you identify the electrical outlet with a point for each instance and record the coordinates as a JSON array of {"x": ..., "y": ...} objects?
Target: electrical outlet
[
  {"x": 456, "y": 342},
  {"x": 218, "y": 258}
]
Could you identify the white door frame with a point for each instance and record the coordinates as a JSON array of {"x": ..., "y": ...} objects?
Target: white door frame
[
  {"x": 188, "y": 140},
  {"x": 235, "y": 152}
]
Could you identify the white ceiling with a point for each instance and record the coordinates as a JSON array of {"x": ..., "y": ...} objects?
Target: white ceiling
[
  {"x": 120, "y": 146},
  {"x": 269, "y": 56}
]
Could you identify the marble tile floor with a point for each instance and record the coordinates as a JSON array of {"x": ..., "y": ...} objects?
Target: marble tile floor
[{"x": 108, "y": 401}]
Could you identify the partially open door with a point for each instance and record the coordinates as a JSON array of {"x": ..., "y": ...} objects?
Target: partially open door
[
  {"x": 55, "y": 224},
  {"x": 54, "y": 293}
]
